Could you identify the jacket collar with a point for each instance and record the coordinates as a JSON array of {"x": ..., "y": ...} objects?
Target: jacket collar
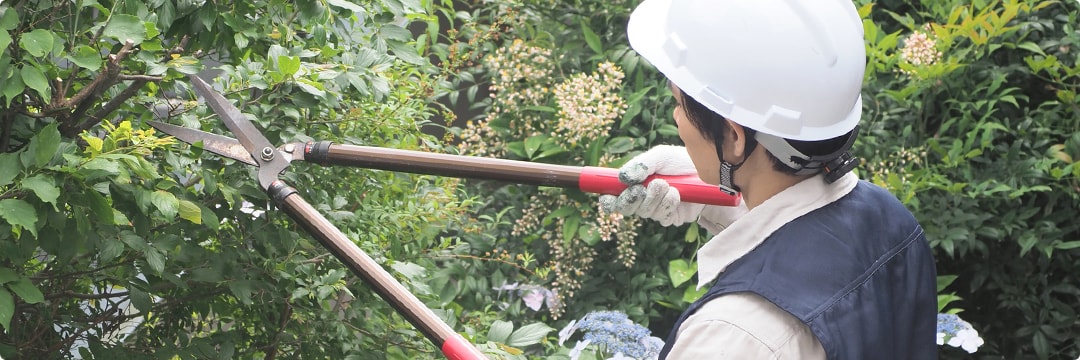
[{"x": 748, "y": 231}]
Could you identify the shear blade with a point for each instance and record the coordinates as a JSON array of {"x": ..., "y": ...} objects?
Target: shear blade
[
  {"x": 218, "y": 144},
  {"x": 246, "y": 133}
]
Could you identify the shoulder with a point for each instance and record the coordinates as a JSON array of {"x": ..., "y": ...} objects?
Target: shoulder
[{"x": 744, "y": 326}]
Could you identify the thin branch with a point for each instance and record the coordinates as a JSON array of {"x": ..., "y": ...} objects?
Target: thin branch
[
  {"x": 286, "y": 315},
  {"x": 88, "y": 95},
  {"x": 73, "y": 294},
  {"x": 138, "y": 77},
  {"x": 112, "y": 105},
  {"x": 5, "y": 130}
]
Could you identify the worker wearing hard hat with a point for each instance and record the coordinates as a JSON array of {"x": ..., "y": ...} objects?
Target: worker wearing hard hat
[{"x": 815, "y": 263}]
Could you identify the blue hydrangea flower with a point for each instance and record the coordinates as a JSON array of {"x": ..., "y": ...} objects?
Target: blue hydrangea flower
[
  {"x": 613, "y": 333},
  {"x": 956, "y": 332}
]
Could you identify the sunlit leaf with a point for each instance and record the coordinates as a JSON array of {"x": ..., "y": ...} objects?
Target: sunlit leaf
[
  {"x": 19, "y": 213},
  {"x": 528, "y": 335},
  {"x": 165, "y": 202},
  {"x": 86, "y": 57},
  {"x": 123, "y": 27},
  {"x": 347, "y": 5},
  {"x": 681, "y": 271},
  {"x": 190, "y": 211},
  {"x": 37, "y": 43},
  {"x": 44, "y": 187}
]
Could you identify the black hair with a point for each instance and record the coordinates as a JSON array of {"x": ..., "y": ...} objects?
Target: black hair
[{"x": 712, "y": 127}]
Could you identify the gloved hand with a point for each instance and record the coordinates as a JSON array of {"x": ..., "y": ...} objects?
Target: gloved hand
[{"x": 658, "y": 201}]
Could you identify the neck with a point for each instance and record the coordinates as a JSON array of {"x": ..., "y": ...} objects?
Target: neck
[{"x": 762, "y": 181}]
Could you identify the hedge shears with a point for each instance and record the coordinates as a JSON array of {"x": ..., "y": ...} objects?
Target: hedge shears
[{"x": 251, "y": 147}]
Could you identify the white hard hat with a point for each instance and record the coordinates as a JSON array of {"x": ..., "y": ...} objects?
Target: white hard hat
[{"x": 788, "y": 68}]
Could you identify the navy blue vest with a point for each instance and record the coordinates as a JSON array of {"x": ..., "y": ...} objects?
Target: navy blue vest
[{"x": 859, "y": 272}]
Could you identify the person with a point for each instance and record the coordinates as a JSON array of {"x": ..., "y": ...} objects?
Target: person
[{"x": 814, "y": 263}]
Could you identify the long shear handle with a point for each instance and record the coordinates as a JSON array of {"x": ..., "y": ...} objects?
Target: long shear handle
[{"x": 452, "y": 344}]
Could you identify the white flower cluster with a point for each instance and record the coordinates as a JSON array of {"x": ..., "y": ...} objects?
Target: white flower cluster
[
  {"x": 588, "y": 105},
  {"x": 920, "y": 49},
  {"x": 518, "y": 72}
]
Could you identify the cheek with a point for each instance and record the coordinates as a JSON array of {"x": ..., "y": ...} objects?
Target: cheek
[{"x": 702, "y": 151}]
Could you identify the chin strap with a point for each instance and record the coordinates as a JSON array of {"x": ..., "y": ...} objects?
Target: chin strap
[{"x": 727, "y": 170}]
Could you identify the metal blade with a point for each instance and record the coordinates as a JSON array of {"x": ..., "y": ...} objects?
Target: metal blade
[
  {"x": 250, "y": 137},
  {"x": 218, "y": 144}
]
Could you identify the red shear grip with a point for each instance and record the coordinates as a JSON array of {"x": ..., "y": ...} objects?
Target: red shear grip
[
  {"x": 691, "y": 189},
  {"x": 457, "y": 348}
]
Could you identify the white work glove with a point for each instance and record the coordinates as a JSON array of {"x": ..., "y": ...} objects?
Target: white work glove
[{"x": 658, "y": 201}]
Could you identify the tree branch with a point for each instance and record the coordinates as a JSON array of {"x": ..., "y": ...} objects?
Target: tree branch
[
  {"x": 5, "y": 130},
  {"x": 73, "y": 294},
  {"x": 70, "y": 126}
]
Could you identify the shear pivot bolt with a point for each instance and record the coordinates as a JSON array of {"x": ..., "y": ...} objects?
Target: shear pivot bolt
[{"x": 267, "y": 153}]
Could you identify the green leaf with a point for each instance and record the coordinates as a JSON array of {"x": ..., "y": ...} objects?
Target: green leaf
[
  {"x": 7, "y": 308},
  {"x": 5, "y": 40},
  {"x": 9, "y": 19},
  {"x": 692, "y": 234},
  {"x": 37, "y": 43},
  {"x": 619, "y": 145},
  {"x": 528, "y": 335},
  {"x": 347, "y": 6},
  {"x": 9, "y": 168},
  {"x": 310, "y": 87},
  {"x": 533, "y": 143},
  {"x": 35, "y": 79},
  {"x": 591, "y": 38},
  {"x": 123, "y": 27},
  {"x": 100, "y": 208},
  {"x": 86, "y": 57},
  {"x": 570, "y": 227},
  {"x": 692, "y": 293},
  {"x": 190, "y": 211},
  {"x": 165, "y": 202},
  {"x": 1068, "y": 245},
  {"x": 109, "y": 249},
  {"x": 1032, "y": 47},
  {"x": 19, "y": 213},
  {"x": 394, "y": 32},
  {"x": 140, "y": 299},
  {"x": 405, "y": 52},
  {"x": 242, "y": 290},
  {"x": 26, "y": 291},
  {"x": 7, "y": 275},
  {"x": 288, "y": 65},
  {"x": 13, "y": 86},
  {"x": 943, "y": 281},
  {"x": 42, "y": 147},
  {"x": 680, "y": 271},
  {"x": 44, "y": 187},
  {"x": 500, "y": 331},
  {"x": 134, "y": 241},
  {"x": 156, "y": 260}
]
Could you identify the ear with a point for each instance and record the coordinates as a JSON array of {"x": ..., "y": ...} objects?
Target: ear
[{"x": 734, "y": 141}]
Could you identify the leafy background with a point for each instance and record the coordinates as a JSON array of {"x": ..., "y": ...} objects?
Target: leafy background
[{"x": 118, "y": 241}]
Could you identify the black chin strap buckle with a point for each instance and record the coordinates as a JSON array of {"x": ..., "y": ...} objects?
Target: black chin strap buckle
[{"x": 839, "y": 166}]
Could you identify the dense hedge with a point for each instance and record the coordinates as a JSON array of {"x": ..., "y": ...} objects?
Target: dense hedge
[{"x": 971, "y": 119}]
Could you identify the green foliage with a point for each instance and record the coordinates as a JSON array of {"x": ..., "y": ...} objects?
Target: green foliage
[
  {"x": 117, "y": 241},
  {"x": 979, "y": 144},
  {"x": 970, "y": 119},
  {"x": 564, "y": 88}
]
